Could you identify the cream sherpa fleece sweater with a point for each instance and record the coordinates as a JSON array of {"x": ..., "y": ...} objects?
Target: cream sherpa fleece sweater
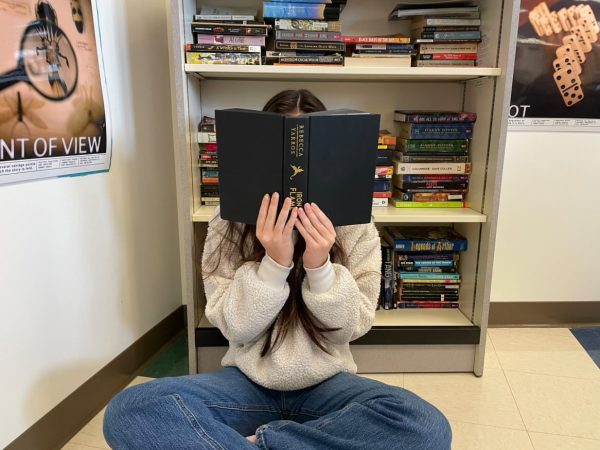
[{"x": 243, "y": 303}]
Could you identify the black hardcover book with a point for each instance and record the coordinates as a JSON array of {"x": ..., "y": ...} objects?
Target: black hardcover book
[{"x": 326, "y": 157}]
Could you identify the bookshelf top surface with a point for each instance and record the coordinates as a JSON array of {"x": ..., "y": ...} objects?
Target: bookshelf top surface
[
  {"x": 242, "y": 72},
  {"x": 389, "y": 214}
]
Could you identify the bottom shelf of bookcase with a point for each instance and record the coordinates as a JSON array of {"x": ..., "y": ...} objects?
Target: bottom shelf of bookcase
[
  {"x": 391, "y": 215},
  {"x": 391, "y": 327}
]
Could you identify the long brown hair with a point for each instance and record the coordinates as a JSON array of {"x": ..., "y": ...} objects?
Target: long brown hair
[{"x": 242, "y": 237}]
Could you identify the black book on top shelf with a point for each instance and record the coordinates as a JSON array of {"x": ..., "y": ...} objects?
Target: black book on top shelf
[{"x": 326, "y": 157}]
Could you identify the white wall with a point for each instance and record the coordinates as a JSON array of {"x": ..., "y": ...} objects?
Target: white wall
[
  {"x": 548, "y": 241},
  {"x": 89, "y": 264}
]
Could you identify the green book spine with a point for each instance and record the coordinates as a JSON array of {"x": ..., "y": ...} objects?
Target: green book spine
[
  {"x": 295, "y": 160},
  {"x": 433, "y": 145}
]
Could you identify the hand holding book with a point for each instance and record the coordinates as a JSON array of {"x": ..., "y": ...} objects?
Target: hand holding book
[
  {"x": 318, "y": 233},
  {"x": 276, "y": 235}
]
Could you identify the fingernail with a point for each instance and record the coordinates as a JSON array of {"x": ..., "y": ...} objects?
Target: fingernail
[
  {"x": 266, "y": 196},
  {"x": 314, "y": 204}
]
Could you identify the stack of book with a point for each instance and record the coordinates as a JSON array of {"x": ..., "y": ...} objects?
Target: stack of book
[
  {"x": 431, "y": 163},
  {"x": 378, "y": 51},
  {"x": 226, "y": 35},
  {"x": 384, "y": 169},
  {"x": 425, "y": 266},
  {"x": 209, "y": 162},
  {"x": 306, "y": 32},
  {"x": 445, "y": 33}
]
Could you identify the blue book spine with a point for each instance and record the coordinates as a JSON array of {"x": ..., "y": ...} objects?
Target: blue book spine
[
  {"x": 286, "y": 10},
  {"x": 429, "y": 276},
  {"x": 382, "y": 185},
  {"x": 434, "y": 263},
  {"x": 422, "y": 245}
]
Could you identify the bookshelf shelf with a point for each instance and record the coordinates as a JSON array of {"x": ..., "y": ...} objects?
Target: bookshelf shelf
[
  {"x": 439, "y": 326},
  {"x": 419, "y": 340},
  {"x": 417, "y": 74},
  {"x": 391, "y": 215}
]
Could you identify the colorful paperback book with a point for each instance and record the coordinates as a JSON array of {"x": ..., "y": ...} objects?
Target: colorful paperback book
[
  {"x": 223, "y": 58},
  {"x": 428, "y": 276},
  {"x": 431, "y": 168},
  {"x": 222, "y": 48},
  {"x": 425, "y": 239},
  {"x": 434, "y": 116},
  {"x": 460, "y": 146},
  {"x": 232, "y": 29},
  {"x": 398, "y": 203},
  {"x": 301, "y": 35},
  {"x": 307, "y": 25},
  {"x": 391, "y": 39},
  {"x": 229, "y": 39},
  {"x": 289, "y": 10},
  {"x": 450, "y": 35},
  {"x": 435, "y": 131}
]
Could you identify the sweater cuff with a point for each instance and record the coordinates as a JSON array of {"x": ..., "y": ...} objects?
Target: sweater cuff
[
  {"x": 272, "y": 273},
  {"x": 322, "y": 278}
]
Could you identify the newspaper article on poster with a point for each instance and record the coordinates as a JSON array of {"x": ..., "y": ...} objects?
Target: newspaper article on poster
[
  {"x": 556, "y": 83},
  {"x": 54, "y": 118}
]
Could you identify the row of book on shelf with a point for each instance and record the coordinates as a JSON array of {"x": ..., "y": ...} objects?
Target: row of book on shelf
[
  {"x": 420, "y": 267},
  {"x": 427, "y": 165},
  {"x": 293, "y": 33}
]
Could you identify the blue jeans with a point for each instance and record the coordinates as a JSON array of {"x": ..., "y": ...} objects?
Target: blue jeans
[{"x": 217, "y": 410}]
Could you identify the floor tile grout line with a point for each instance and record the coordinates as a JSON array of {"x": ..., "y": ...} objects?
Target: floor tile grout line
[
  {"x": 564, "y": 435},
  {"x": 486, "y": 425},
  {"x": 517, "y": 405},
  {"x": 554, "y": 375}
]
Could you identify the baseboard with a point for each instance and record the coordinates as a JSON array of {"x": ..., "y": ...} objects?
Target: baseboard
[
  {"x": 544, "y": 313},
  {"x": 63, "y": 421}
]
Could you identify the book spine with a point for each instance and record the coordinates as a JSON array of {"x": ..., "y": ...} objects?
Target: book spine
[
  {"x": 295, "y": 160},
  {"x": 405, "y": 265},
  {"x": 325, "y": 59},
  {"x": 425, "y": 245},
  {"x": 432, "y": 168},
  {"x": 463, "y": 117},
  {"x": 448, "y": 56},
  {"x": 223, "y": 58},
  {"x": 229, "y": 39},
  {"x": 310, "y": 46},
  {"x": 433, "y": 145},
  {"x": 444, "y": 28},
  {"x": 382, "y": 185},
  {"x": 222, "y": 48},
  {"x": 468, "y": 47},
  {"x": 431, "y": 197},
  {"x": 428, "y": 269},
  {"x": 402, "y": 157},
  {"x": 443, "y": 41},
  {"x": 306, "y": 25},
  {"x": 387, "y": 281},
  {"x": 380, "y": 202},
  {"x": 430, "y": 178},
  {"x": 301, "y": 35},
  {"x": 427, "y": 305},
  {"x": 446, "y": 63},
  {"x": 430, "y": 186},
  {"x": 437, "y": 22},
  {"x": 385, "y": 47},
  {"x": 428, "y": 276},
  {"x": 223, "y": 17},
  {"x": 375, "y": 40},
  {"x": 436, "y": 133},
  {"x": 384, "y": 52},
  {"x": 400, "y": 204},
  {"x": 451, "y": 35},
  {"x": 286, "y": 10},
  {"x": 236, "y": 30}
]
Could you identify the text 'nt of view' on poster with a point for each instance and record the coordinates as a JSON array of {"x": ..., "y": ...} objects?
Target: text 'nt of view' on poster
[{"x": 53, "y": 114}]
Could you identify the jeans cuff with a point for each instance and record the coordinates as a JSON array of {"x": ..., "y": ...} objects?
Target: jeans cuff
[{"x": 260, "y": 439}]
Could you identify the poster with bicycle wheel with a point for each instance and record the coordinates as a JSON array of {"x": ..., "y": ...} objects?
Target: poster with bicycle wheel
[
  {"x": 556, "y": 82},
  {"x": 54, "y": 118}
]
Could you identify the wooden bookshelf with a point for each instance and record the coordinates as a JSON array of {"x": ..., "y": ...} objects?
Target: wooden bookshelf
[
  {"x": 266, "y": 73},
  {"x": 400, "y": 340}
]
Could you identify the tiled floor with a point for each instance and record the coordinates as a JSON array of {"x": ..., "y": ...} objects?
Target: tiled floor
[{"x": 540, "y": 390}]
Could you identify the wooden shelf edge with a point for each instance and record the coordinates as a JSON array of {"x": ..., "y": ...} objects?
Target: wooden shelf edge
[
  {"x": 208, "y": 71},
  {"x": 383, "y": 215}
]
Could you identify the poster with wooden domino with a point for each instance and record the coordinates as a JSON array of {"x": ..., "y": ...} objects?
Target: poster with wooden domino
[{"x": 556, "y": 79}]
